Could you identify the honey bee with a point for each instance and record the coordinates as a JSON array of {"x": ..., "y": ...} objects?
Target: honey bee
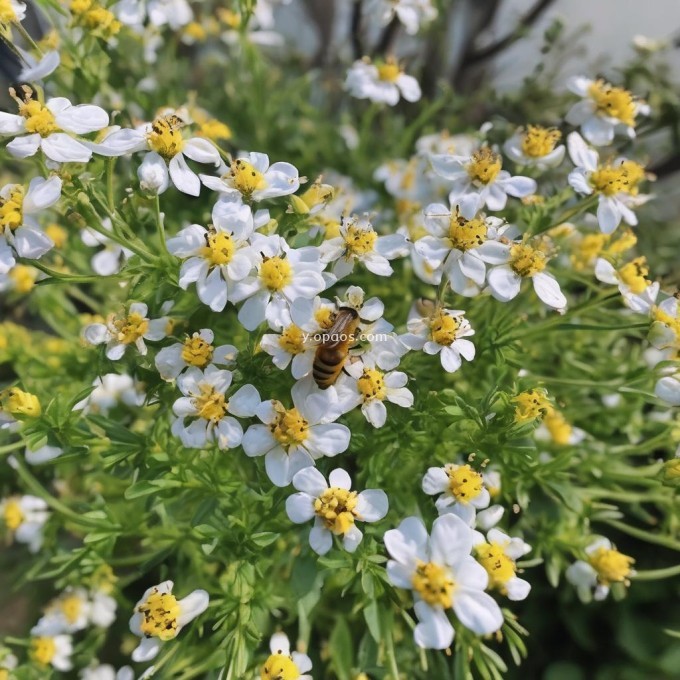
[{"x": 336, "y": 342}]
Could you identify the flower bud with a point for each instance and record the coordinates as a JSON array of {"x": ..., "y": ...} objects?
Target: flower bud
[
  {"x": 20, "y": 403},
  {"x": 153, "y": 174}
]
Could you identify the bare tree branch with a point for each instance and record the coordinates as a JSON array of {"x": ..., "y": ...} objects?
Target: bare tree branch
[{"x": 528, "y": 20}]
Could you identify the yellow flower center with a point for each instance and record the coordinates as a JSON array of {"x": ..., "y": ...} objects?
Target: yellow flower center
[
  {"x": 466, "y": 234},
  {"x": 13, "y": 515},
  {"x": 624, "y": 242},
  {"x": 613, "y": 102},
  {"x": 389, "y": 71},
  {"x": 245, "y": 177},
  {"x": 317, "y": 194},
  {"x": 615, "y": 179},
  {"x": 20, "y": 403},
  {"x": 530, "y": 405},
  {"x": 611, "y": 565},
  {"x": 7, "y": 13},
  {"x": 220, "y": 248},
  {"x": 229, "y": 17},
  {"x": 484, "y": 165},
  {"x": 633, "y": 274},
  {"x": 527, "y": 260},
  {"x": 211, "y": 405},
  {"x": 434, "y": 584},
  {"x": 336, "y": 508},
  {"x": 58, "y": 234},
  {"x": 279, "y": 667},
  {"x": 292, "y": 340},
  {"x": 498, "y": 565},
  {"x": 103, "y": 579},
  {"x": 359, "y": 241},
  {"x": 95, "y": 17},
  {"x": 443, "y": 328},
  {"x": 160, "y": 613},
  {"x": 197, "y": 352},
  {"x": 165, "y": 136},
  {"x": 196, "y": 31},
  {"x": 130, "y": 328},
  {"x": 538, "y": 141},
  {"x": 290, "y": 427},
  {"x": 39, "y": 119},
  {"x": 464, "y": 482},
  {"x": 71, "y": 606},
  {"x": 43, "y": 650},
  {"x": 558, "y": 427},
  {"x": 11, "y": 208},
  {"x": 672, "y": 322},
  {"x": 23, "y": 278},
  {"x": 324, "y": 316},
  {"x": 371, "y": 385},
  {"x": 276, "y": 273},
  {"x": 215, "y": 130},
  {"x": 590, "y": 246}
]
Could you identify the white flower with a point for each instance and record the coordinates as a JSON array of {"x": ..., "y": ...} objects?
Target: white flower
[
  {"x": 97, "y": 671},
  {"x": 218, "y": 257},
  {"x": 411, "y": 13},
  {"x": 111, "y": 258},
  {"x": 206, "y": 404},
  {"x": 173, "y": 13},
  {"x": 664, "y": 332},
  {"x": 159, "y": 616},
  {"x": 50, "y": 127},
  {"x": 603, "y": 566},
  {"x": 110, "y": 390},
  {"x": 525, "y": 262},
  {"x": 535, "y": 146},
  {"x": 604, "y": 110},
  {"x": 334, "y": 507},
  {"x": 479, "y": 180},
  {"x": 12, "y": 12},
  {"x": 282, "y": 664},
  {"x": 251, "y": 178},
  {"x": 637, "y": 291},
  {"x": 444, "y": 332},
  {"x": 462, "y": 490},
  {"x": 197, "y": 350},
  {"x": 68, "y": 613},
  {"x": 462, "y": 247},
  {"x": 24, "y": 518},
  {"x": 153, "y": 174},
  {"x": 383, "y": 83},
  {"x": 283, "y": 275},
  {"x": 36, "y": 70},
  {"x": 442, "y": 575},
  {"x": 367, "y": 386},
  {"x": 20, "y": 233},
  {"x": 498, "y": 554},
  {"x": 292, "y": 439},
  {"x": 165, "y": 143},
  {"x": 102, "y": 609},
  {"x": 119, "y": 332},
  {"x": 42, "y": 454},
  {"x": 49, "y": 649},
  {"x": 614, "y": 183},
  {"x": 668, "y": 389},
  {"x": 359, "y": 242}
]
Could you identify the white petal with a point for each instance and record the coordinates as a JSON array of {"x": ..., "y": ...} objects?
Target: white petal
[
  {"x": 451, "y": 540},
  {"x": 191, "y": 606},
  {"x": 183, "y": 178},
  {"x": 300, "y": 507},
  {"x": 340, "y": 479},
  {"x": 372, "y": 505},
  {"x": 320, "y": 538},
  {"x": 477, "y": 611},
  {"x": 62, "y": 148},
  {"x": 434, "y": 630},
  {"x": 548, "y": 290}
]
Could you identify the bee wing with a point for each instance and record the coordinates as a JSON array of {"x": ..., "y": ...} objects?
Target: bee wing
[{"x": 342, "y": 322}]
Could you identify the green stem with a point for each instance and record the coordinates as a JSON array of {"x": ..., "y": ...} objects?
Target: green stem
[
  {"x": 27, "y": 37},
  {"x": 643, "y": 534},
  {"x": 585, "y": 203},
  {"x": 394, "y": 668},
  {"x": 654, "y": 574},
  {"x": 11, "y": 447},
  {"x": 39, "y": 490},
  {"x": 60, "y": 276},
  {"x": 160, "y": 226},
  {"x": 110, "y": 164}
]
